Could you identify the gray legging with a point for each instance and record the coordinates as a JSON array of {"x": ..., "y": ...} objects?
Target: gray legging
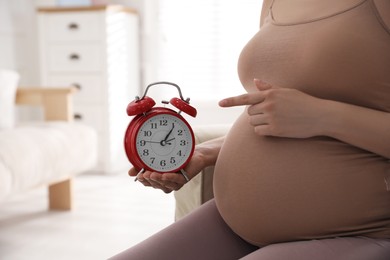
[{"x": 204, "y": 235}]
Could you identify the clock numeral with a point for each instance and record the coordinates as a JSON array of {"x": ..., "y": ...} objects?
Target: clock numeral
[
  {"x": 162, "y": 143},
  {"x": 163, "y": 122}
]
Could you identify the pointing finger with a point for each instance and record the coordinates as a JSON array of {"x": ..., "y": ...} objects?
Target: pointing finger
[{"x": 242, "y": 100}]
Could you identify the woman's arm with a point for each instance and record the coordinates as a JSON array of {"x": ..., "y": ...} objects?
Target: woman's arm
[
  {"x": 362, "y": 127},
  {"x": 209, "y": 151},
  {"x": 285, "y": 112},
  {"x": 264, "y": 10}
]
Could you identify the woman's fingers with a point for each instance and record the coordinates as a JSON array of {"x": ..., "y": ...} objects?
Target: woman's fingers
[
  {"x": 166, "y": 182},
  {"x": 262, "y": 85},
  {"x": 258, "y": 119},
  {"x": 133, "y": 172},
  {"x": 249, "y": 98},
  {"x": 242, "y": 100}
]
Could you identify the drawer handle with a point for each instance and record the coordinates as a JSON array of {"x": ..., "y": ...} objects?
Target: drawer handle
[
  {"x": 73, "y": 26},
  {"x": 78, "y": 116},
  {"x": 76, "y": 85},
  {"x": 74, "y": 56}
]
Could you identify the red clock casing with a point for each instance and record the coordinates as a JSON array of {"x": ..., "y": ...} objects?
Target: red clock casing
[{"x": 133, "y": 129}]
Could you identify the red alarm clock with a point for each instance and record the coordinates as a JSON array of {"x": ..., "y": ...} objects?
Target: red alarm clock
[{"x": 159, "y": 138}]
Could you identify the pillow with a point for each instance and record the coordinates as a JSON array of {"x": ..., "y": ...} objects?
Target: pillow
[{"x": 8, "y": 83}]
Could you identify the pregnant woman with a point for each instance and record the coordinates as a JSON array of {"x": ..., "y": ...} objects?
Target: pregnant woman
[{"x": 304, "y": 173}]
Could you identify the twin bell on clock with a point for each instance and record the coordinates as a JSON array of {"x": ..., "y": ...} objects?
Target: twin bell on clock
[{"x": 159, "y": 138}]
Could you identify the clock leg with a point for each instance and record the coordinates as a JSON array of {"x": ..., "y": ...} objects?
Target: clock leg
[
  {"x": 139, "y": 173},
  {"x": 183, "y": 172}
]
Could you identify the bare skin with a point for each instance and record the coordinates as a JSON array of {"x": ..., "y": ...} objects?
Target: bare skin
[
  {"x": 283, "y": 112},
  {"x": 205, "y": 155}
]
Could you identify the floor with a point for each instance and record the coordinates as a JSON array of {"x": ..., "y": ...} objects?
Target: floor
[{"x": 111, "y": 213}]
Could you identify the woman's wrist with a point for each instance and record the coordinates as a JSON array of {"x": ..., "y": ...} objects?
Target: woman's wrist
[
  {"x": 334, "y": 117},
  {"x": 208, "y": 151},
  {"x": 328, "y": 118}
]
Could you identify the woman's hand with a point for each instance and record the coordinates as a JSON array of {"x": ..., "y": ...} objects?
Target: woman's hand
[
  {"x": 281, "y": 112},
  {"x": 169, "y": 182}
]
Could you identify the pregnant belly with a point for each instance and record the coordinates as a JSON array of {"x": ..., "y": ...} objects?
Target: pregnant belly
[{"x": 271, "y": 189}]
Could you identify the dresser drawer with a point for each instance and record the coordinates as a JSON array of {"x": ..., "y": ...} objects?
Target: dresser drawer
[
  {"x": 75, "y": 58},
  {"x": 90, "y": 88},
  {"x": 73, "y": 26},
  {"x": 90, "y": 115}
]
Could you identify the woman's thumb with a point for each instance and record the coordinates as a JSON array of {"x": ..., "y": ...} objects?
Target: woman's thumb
[{"x": 262, "y": 85}]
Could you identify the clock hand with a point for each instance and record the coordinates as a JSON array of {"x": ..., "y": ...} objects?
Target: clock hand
[
  {"x": 164, "y": 142},
  {"x": 154, "y": 142},
  {"x": 167, "y": 141},
  {"x": 169, "y": 133}
]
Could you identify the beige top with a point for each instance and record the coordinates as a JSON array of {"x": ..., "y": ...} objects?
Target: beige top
[{"x": 271, "y": 189}]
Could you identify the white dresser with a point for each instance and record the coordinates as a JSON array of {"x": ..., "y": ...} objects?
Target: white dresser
[{"x": 96, "y": 49}]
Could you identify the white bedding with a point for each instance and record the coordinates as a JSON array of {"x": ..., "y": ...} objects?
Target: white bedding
[{"x": 42, "y": 153}]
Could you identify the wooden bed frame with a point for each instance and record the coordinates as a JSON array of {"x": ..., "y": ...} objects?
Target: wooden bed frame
[{"x": 57, "y": 105}]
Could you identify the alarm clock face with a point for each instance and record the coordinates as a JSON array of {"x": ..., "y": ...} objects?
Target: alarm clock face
[{"x": 164, "y": 142}]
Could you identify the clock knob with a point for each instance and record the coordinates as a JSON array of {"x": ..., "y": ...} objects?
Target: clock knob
[
  {"x": 183, "y": 106},
  {"x": 140, "y": 106}
]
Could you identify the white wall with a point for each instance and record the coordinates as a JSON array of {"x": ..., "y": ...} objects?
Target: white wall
[
  {"x": 18, "y": 47},
  {"x": 7, "y": 59},
  {"x": 148, "y": 35}
]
